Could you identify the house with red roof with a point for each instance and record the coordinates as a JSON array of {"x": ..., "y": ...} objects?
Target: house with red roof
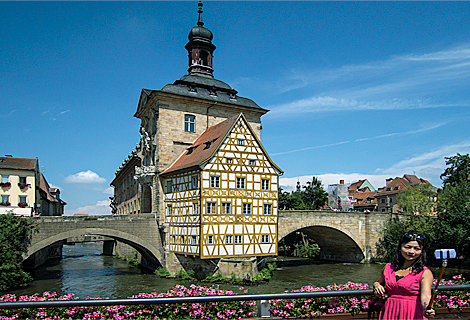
[{"x": 221, "y": 195}]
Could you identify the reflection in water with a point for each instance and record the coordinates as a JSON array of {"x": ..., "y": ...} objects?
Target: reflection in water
[{"x": 85, "y": 272}]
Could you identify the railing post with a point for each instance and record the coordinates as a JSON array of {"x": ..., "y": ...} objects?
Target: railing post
[{"x": 263, "y": 308}]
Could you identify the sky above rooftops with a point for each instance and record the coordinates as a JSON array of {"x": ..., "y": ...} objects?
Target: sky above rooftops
[{"x": 357, "y": 90}]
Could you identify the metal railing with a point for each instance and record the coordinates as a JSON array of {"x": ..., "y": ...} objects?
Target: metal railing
[{"x": 179, "y": 300}]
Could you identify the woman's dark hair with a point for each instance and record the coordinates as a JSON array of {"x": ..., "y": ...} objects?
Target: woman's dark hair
[{"x": 420, "y": 262}]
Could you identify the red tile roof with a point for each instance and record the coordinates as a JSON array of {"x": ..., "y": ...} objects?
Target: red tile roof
[{"x": 204, "y": 147}]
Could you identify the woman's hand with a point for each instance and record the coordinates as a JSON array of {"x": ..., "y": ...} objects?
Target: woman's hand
[
  {"x": 379, "y": 289},
  {"x": 430, "y": 313}
]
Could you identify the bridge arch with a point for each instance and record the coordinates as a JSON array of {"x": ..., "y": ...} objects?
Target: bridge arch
[
  {"x": 335, "y": 244},
  {"x": 146, "y": 249}
]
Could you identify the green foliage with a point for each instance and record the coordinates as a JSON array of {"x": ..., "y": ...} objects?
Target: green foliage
[
  {"x": 266, "y": 273},
  {"x": 454, "y": 217},
  {"x": 457, "y": 171},
  {"x": 14, "y": 231},
  {"x": 130, "y": 259},
  {"x": 312, "y": 196},
  {"x": 162, "y": 272},
  {"x": 418, "y": 199},
  {"x": 298, "y": 244},
  {"x": 310, "y": 251},
  {"x": 395, "y": 229}
]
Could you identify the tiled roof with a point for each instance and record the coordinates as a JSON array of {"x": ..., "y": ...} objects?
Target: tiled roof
[
  {"x": 204, "y": 147},
  {"x": 44, "y": 186},
  {"x": 355, "y": 186},
  {"x": 18, "y": 163},
  {"x": 402, "y": 184}
]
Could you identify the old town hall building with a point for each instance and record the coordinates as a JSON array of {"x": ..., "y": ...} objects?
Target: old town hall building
[{"x": 204, "y": 173}]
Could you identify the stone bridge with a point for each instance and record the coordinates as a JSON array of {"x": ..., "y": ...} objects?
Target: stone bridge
[
  {"x": 342, "y": 236},
  {"x": 138, "y": 231}
]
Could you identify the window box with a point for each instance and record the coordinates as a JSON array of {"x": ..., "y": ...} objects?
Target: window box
[
  {"x": 23, "y": 185},
  {"x": 5, "y": 184},
  {"x": 22, "y": 204},
  {"x": 5, "y": 204}
]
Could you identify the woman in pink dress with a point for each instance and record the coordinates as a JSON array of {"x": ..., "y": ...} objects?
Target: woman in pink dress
[{"x": 406, "y": 281}]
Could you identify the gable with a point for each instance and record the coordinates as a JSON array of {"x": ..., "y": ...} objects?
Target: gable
[
  {"x": 203, "y": 150},
  {"x": 241, "y": 151}
]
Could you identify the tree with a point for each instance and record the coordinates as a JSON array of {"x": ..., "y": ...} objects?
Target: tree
[
  {"x": 458, "y": 170},
  {"x": 312, "y": 197},
  {"x": 418, "y": 199},
  {"x": 396, "y": 228},
  {"x": 13, "y": 233},
  {"x": 454, "y": 205}
]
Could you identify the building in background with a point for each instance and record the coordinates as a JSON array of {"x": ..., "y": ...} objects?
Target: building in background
[
  {"x": 338, "y": 197},
  {"x": 24, "y": 190},
  {"x": 387, "y": 196},
  {"x": 126, "y": 198},
  {"x": 362, "y": 196},
  {"x": 50, "y": 202}
]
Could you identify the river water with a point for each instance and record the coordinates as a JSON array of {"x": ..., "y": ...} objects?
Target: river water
[{"x": 85, "y": 272}]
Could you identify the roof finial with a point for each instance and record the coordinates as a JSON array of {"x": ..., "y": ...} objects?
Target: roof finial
[{"x": 199, "y": 21}]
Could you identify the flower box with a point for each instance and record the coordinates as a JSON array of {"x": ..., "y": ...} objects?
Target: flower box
[
  {"x": 23, "y": 185},
  {"x": 5, "y": 184},
  {"x": 5, "y": 204},
  {"x": 22, "y": 204}
]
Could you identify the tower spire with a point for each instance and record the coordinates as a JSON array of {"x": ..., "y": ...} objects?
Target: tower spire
[
  {"x": 200, "y": 48},
  {"x": 199, "y": 21}
]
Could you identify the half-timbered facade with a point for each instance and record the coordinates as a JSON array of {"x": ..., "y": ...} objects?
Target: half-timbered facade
[{"x": 221, "y": 195}]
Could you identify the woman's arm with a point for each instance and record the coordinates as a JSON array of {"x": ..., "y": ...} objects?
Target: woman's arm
[
  {"x": 379, "y": 289},
  {"x": 426, "y": 288}
]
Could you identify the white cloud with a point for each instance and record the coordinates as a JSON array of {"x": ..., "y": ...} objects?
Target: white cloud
[
  {"x": 85, "y": 177},
  {"x": 100, "y": 208},
  {"x": 109, "y": 190},
  {"x": 387, "y": 135},
  {"x": 398, "y": 83},
  {"x": 429, "y": 166}
]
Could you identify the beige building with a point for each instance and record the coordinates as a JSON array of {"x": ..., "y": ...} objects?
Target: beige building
[
  {"x": 24, "y": 190},
  {"x": 126, "y": 198},
  {"x": 221, "y": 195},
  {"x": 175, "y": 116}
]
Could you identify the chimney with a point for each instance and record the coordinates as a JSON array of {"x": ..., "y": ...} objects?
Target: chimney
[{"x": 8, "y": 156}]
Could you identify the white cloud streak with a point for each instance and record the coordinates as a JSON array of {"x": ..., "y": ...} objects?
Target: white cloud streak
[
  {"x": 399, "y": 83},
  {"x": 85, "y": 177},
  {"x": 388, "y": 135},
  {"x": 429, "y": 166}
]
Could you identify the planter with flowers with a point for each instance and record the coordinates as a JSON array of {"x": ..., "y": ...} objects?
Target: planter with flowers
[
  {"x": 22, "y": 204},
  {"x": 23, "y": 185},
  {"x": 5, "y": 204},
  {"x": 5, "y": 184}
]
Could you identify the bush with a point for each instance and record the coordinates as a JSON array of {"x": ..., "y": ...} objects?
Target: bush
[{"x": 14, "y": 232}]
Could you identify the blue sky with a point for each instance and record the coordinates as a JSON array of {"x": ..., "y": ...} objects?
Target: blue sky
[{"x": 356, "y": 89}]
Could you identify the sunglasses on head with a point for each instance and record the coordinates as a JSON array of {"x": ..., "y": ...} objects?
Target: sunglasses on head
[{"x": 415, "y": 236}]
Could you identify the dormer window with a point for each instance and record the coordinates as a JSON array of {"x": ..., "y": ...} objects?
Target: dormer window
[
  {"x": 208, "y": 145},
  {"x": 396, "y": 188},
  {"x": 189, "y": 123},
  {"x": 389, "y": 189},
  {"x": 191, "y": 149}
]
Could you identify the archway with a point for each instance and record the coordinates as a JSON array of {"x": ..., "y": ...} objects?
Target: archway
[
  {"x": 152, "y": 255},
  {"x": 334, "y": 244}
]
